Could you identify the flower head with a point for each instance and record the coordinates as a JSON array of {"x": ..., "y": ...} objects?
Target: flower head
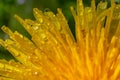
[{"x": 53, "y": 53}]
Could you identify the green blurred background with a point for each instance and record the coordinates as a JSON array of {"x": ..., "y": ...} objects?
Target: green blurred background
[{"x": 23, "y": 8}]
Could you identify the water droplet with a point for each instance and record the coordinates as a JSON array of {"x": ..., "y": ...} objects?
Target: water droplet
[
  {"x": 29, "y": 57},
  {"x": 41, "y": 20},
  {"x": 89, "y": 10},
  {"x": 36, "y": 73},
  {"x": 17, "y": 54},
  {"x": 16, "y": 65},
  {"x": 117, "y": 7},
  {"x": 81, "y": 14},
  {"x": 36, "y": 58},
  {"x": 48, "y": 24},
  {"x": 36, "y": 28},
  {"x": 21, "y": 36},
  {"x": 53, "y": 15},
  {"x": 43, "y": 36},
  {"x": 47, "y": 10}
]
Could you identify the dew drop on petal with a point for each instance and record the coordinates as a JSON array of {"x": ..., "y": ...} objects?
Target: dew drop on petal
[
  {"x": 29, "y": 57},
  {"x": 48, "y": 24},
  {"x": 41, "y": 20},
  {"x": 36, "y": 28},
  {"x": 47, "y": 10},
  {"x": 36, "y": 73},
  {"x": 20, "y": 35},
  {"x": 17, "y": 55},
  {"x": 43, "y": 37}
]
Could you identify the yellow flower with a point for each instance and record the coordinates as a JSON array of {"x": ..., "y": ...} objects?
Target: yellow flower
[{"x": 53, "y": 53}]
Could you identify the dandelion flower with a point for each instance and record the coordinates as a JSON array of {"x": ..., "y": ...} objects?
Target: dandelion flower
[{"x": 53, "y": 53}]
